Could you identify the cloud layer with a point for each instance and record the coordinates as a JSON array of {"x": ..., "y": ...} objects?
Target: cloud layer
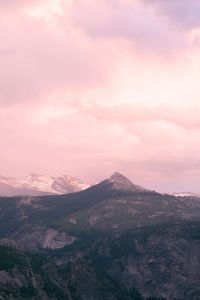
[{"x": 90, "y": 87}]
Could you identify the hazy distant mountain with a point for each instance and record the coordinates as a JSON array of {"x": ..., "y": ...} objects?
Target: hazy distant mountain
[
  {"x": 36, "y": 185},
  {"x": 187, "y": 195},
  {"x": 112, "y": 241}
]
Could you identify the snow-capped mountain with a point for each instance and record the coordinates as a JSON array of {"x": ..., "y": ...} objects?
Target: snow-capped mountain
[
  {"x": 186, "y": 195},
  {"x": 35, "y": 184}
]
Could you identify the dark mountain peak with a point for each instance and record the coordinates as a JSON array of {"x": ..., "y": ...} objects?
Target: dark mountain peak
[
  {"x": 120, "y": 182},
  {"x": 116, "y": 176}
]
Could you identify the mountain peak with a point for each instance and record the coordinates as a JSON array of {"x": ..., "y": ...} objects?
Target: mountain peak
[
  {"x": 120, "y": 182},
  {"x": 116, "y": 176},
  {"x": 32, "y": 177},
  {"x": 39, "y": 184}
]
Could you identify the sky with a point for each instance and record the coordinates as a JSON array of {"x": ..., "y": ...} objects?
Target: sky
[{"x": 91, "y": 87}]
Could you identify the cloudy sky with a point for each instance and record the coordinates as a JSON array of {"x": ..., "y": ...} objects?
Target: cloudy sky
[{"x": 89, "y": 87}]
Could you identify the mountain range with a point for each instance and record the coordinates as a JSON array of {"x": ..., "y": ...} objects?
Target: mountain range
[
  {"x": 112, "y": 241},
  {"x": 40, "y": 185},
  {"x": 35, "y": 185}
]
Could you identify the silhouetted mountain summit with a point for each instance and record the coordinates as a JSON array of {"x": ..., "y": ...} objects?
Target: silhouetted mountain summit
[
  {"x": 120, "y": 182},
  {"x": 117, "y": 183}
]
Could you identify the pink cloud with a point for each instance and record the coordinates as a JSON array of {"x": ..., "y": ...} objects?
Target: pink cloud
[
  {"x": 149, "y": 25},
  {"x": 38, "y": 56},
  {"x": 149, "y": 151},
  {"x": 81, "y": 92},
  {"x": 139, "y": 113},
  {"x": 183, "y": 13}
]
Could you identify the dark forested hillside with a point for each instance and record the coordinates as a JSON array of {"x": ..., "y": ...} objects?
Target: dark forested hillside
[{"x": 114, "y": 241}]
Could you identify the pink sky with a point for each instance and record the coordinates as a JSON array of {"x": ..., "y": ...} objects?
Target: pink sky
[{"x": 91, "y": 87}]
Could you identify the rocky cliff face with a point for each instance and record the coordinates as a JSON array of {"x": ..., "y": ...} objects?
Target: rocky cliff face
[{"x": 113, "y": 241}]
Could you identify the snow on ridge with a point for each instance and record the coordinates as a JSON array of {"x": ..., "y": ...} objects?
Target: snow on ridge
[
  {"x": 186, "y": 195},
  {"x": 45, "y": 184}
]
